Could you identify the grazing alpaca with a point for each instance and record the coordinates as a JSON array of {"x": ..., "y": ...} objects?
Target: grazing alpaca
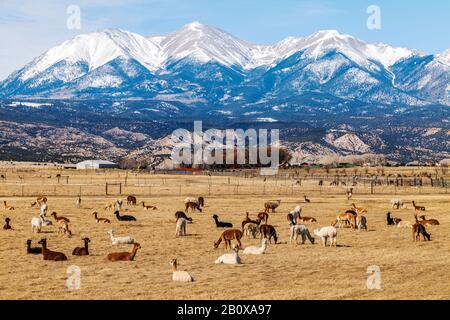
[
  {"x": 180, "y": 229},
  {"x": 257, "y": 250},
  {"x": 82, "y": 251},
  {"x": 119, "y": 240},
  {"x": 148, "y": 207},
  {"x": 200, "y": 201},
  {"x": 306, "y": 200},
  {"x": 193, "y": 206},
  {"x": 417, "y": 208},
  {"x": 229, "y": 235},
  {"x": 55, "y": 215},
  {"x": 131, "y": 200},
  {"x": 230, "y": 258},
  {"x": 124, "y": 256},
  {"x": 181, "y": 214},
  {"x": 428, "y": 222},
  {"x": 392, "y": 221},
  {"x": 100, "y": 220},
  {"x": 343, "y": 219},
  {"x": 271, "y": 205},
  {"x": 361, "y": 223},
  {"x": 51, "y": 255},
  {"x": 327, "y": 233},
  {"x": 397, "y": 204},
  {"x": 7, "y": 206},
  {"x": 220, "y": 224},
  {"x": 269, "y": 232},
  {"x": 35, "y": 250},
  {"x": 124, "y": 218},
  {"x": 7, "y": 226},
  {"x": 300, "y": 230},
  {"x": 180, "y": 276},
  {"x": 263, "y": 217}
]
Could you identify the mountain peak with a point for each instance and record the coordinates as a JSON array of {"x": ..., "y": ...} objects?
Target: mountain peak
[{"x": 195, "y": 25}]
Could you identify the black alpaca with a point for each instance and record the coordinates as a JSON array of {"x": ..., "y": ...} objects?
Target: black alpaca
[
  {"x": 124, "y": 218},
  {"x": 220, "y": 224},
  {"x": 7, "y": 226},
  {"x": 35, "y": 250},
  {"x": 392, "y": 221}
]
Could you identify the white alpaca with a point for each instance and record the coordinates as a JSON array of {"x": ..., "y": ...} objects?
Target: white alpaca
[
  {"x": 230, "y": 258},
  {"x": 361, "y": 223},
  {"x": 296, "y": 213},
  {"x": 325, "y": 233},
  {"x": 251, "y": 229},
  {"x": 398, "y": 203},
  {"x": 181, "y": 227},
  {"x": 44, "y": 209},
  {"x": 181, "y": 276},
  {"x": 36, "y": 225},
  {"x": 257, "y": 250},
  {"x": 119, "y": 240},
  {"x": 78, "y": 203},
  {"x": 300, "y": 230},
  {"x": 118, "y": 205}
]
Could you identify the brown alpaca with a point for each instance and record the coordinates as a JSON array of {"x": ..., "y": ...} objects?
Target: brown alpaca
[
  {"x": 131, "y": 200},
  {"x": 148, "y": 207},
  {"x": 306, "y": 220},
  {"x": 7, "y": 206},
  {"x": 271, "y": 205},
  {"x": 181, "y": 214},
  {"x": 51, "y": 255},
  {"x": 268, "y": 232},
  {"x": 428, "y": 222},
  {"x": 39, "y": 201},
  {"x": 82, "y": 251},
  {"x": 193, "y": 206},
  {"x": 100, "y": 220},
  {"x": 7, "y": 226},
  {"x": 417, "y": 208},
  {"x": 124, "y": 256},
  {"x": 55, "y": 215},
  {"x": 63, "y": 227},
  {"x": 419, "y": 229},
  {"x": 344, "y": 219},
  {"x": 229, "y": 235},
  {"x": 359, "y": 210}
]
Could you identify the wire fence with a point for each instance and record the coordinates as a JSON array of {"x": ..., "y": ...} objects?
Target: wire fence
[{"x": 216, "y": 184}]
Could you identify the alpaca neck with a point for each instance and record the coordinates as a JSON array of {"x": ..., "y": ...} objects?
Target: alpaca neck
[
  {"x": 174, "y": 267},
  {"x": 133, "y": 253},
  {"x": 86, "y": 246}
]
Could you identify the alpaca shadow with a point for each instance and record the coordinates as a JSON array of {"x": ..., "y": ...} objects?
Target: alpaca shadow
[
  {"x": 47, "y": 232},
  {"x": 343, "y": 246},
  {"x": 193, "y": 235}
]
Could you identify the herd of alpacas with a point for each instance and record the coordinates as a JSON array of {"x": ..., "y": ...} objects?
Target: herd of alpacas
[{"x": 354, "y": 218}]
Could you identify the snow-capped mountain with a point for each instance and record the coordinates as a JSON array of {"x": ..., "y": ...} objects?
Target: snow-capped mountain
[{"x": 203, "y": 65}]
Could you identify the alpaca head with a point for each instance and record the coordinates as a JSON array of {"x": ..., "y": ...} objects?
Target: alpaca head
[
  {"x": 28, "y": 242},
  {"x": 43, "y": 242},
  {"x": 86, "y": 240},
  {"x": 236, "y": 248},
  {"x": 215, "y": 216},
  {"x": 173, "y": 263},
  {"x": 110, "y": 232},
  {"x": 116, "y": 212},
  {"x": 7, "y": 220},
  {"x": 137, "y": 246}
]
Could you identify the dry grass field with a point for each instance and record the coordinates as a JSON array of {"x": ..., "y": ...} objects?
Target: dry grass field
[{"x": 408, "y": 270}]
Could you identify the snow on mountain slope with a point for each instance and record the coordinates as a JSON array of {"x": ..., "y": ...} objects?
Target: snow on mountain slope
[
  {"x": 201, "y": 63},
  {"x": 97, "y": 49}
]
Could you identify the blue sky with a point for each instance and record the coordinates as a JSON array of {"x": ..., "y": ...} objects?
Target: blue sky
[{"x": 29, "y": 27}]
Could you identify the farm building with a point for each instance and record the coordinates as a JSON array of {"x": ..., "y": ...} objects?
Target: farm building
[{"x": 96, "y": 164}]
